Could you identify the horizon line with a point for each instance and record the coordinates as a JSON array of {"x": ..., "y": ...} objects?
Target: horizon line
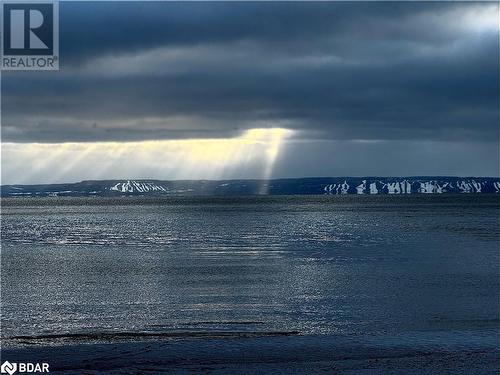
[{"x": 245, "y": 179}]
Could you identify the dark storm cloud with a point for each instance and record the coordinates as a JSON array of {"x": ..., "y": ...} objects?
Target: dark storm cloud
[
  {"x": 127, "y": 26},
  {"x": 135, "y": 71}
]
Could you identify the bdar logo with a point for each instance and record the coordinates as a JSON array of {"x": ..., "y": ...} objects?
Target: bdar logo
[
  {"x": 8, "y": 368},
  {"x": 23, "y": 367}
]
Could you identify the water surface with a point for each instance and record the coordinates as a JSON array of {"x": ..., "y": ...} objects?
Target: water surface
[{"x": 415, "y": 267}]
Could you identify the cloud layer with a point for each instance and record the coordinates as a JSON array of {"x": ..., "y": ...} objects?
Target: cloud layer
[{"x": 135, "y": 71}]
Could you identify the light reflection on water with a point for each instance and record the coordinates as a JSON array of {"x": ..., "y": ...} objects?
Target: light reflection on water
[{"x": 312, "y": 265}]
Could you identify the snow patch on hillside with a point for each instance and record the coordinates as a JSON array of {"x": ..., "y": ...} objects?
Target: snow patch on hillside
[
  {"x": 132, "y": 186},
  {"x": 337, "y": 188},
  {"x": 411, "y": 186},
  {"x": 497, "y": 187}
]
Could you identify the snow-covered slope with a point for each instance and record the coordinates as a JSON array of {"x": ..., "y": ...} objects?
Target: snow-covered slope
[
  {"x": 132, "y": 186},
  {"x": 413, "y": 186}
]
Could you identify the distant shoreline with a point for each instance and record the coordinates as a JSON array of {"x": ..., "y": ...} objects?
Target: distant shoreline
[{"x": 300, "y": 186}]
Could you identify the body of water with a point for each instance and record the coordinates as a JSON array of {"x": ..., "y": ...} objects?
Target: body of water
[{"x": 420, "y": 269}]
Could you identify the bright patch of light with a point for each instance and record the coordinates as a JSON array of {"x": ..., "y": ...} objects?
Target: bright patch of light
[
  {"x": 481, "y": 19},
  {"x": 250, "y": 155}
]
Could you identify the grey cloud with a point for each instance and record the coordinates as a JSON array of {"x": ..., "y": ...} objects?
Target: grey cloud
[{"x": 335, "y": 70}]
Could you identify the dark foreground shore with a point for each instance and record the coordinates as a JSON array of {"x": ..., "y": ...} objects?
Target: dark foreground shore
[{"x": 470, "y": 353}]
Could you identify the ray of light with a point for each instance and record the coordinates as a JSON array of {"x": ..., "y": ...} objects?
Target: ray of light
[{"x": 251, "y": 155}]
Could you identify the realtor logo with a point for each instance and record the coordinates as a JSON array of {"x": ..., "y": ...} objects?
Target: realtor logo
[
  {"x": 8, "y": 368},
  {"x": 30, "y": 38}
]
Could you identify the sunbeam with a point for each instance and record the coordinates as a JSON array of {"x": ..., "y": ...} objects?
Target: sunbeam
[{"x": 252, "y": 154}]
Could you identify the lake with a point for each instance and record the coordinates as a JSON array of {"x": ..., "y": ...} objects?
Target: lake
[{"x": 297, "y": 275}]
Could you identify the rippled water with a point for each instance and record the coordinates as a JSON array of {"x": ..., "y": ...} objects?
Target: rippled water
[{"x": 87, "y": 268}]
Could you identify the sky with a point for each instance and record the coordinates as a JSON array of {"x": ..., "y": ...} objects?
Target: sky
[{"x": 259, "y": 90}]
